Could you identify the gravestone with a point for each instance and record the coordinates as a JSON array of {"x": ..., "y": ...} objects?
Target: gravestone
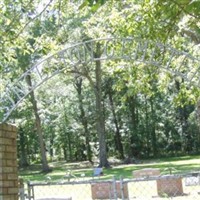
[
  {"x": 105, "y": 190},
  {"x": 98, "y": 171},
  {"x": 146, "y": 172},
  {"x": 170, "y": 185}
]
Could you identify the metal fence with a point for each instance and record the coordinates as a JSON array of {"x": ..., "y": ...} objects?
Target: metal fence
[{"x": 174, "y": 187}]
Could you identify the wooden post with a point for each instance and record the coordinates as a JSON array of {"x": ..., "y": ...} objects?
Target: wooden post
[{"x": 8, "y": 163}]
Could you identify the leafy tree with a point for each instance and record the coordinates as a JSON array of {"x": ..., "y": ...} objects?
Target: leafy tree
[{"x": 140, "y": 108}]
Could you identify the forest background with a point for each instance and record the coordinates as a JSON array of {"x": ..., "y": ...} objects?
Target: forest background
[{"x": 144, "y": 113}]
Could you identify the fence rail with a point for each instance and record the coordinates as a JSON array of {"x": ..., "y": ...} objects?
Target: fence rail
[{"x": 173, "y": 187}]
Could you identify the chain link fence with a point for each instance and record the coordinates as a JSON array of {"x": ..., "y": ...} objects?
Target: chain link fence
[{"x": 174, "y": 187}]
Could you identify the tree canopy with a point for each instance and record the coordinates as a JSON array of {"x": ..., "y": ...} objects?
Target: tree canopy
[{"x": 112, "y": 108}]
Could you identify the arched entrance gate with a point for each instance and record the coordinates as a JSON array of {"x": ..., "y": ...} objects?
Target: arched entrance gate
[{"x": 76, "y": 59}]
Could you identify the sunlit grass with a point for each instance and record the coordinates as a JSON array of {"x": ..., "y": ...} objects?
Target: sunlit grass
[{"x": 176, "y": 165}]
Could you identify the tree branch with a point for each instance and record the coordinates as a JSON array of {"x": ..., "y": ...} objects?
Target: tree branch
[
  {"x": 192, "y": 35},
  {"x": 18, "y": 34},
  {"x": 184, "y": 10},
  {"x": 16, "y": 17}
]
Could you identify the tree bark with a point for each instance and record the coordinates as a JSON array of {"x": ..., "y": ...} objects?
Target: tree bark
[
  {"x": 133, "y": 151},
  {"x": 118, "y": 140},
  {"x": 45, "y": 166},
  {"x": 84, "y": 121},
  {"x": 147, "y": 128},
  {"x": 153, "y": 130},
  {"x": 198, "y": 121},
  {"x": 100, "y": 121},
  {"x": 23, "y": 151}
]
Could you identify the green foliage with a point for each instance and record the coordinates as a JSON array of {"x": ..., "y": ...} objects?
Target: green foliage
[{"x": 154, "y": 110}]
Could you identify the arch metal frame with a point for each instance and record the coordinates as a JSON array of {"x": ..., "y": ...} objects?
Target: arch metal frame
[{"x": 75, "y": 56}]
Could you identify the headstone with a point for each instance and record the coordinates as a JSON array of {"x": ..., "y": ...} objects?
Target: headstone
[
  {"x": 146, "y": 172},
  {"x": 169, "y": 186},
  {"x": 98, "y": 171},
  {"x": 105, "y": 190}
]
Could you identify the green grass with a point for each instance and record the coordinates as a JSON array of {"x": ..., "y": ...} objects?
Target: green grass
[{"x": 177, "y": 164}]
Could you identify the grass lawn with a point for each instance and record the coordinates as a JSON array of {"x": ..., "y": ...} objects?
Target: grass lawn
[{"x": 177, "y": 164}]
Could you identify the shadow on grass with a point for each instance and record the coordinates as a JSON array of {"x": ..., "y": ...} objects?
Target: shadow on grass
[
  {"x": 179, "y": 158},
  {"x": 34, "y": 173}
]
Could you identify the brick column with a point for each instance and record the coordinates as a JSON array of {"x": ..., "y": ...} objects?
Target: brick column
[{"x": 8, "y": 163}]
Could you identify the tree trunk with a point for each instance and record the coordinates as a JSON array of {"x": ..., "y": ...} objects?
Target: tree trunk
[
  {"x": 100, "y": 122},
  {"x": 23, "y": 152},
  {"x": 118, "y": 140},
  {"x": 70, "y": 153},
  {"x": 198, "y": 121},
  {"x": 184, "y": 113},
  {"x": 51, "y": 145},
  {"x": 147, "y": 129},
  {"x": 133, "y": 138},
  {"x": 153, "y": 130},
  {"x": 186, "y": 136},
  {"x": 45, "y": 166},
  {"x": 67, "y": 139},
  {"x": 84, "y": 121},
  {"x": 65, "y": 153}
]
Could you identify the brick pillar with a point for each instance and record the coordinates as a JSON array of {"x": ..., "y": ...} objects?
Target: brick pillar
[{"x": 8, "y": 163}]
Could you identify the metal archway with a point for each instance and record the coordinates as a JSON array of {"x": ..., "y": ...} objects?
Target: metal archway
[{"x": 78, "y": 55}]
